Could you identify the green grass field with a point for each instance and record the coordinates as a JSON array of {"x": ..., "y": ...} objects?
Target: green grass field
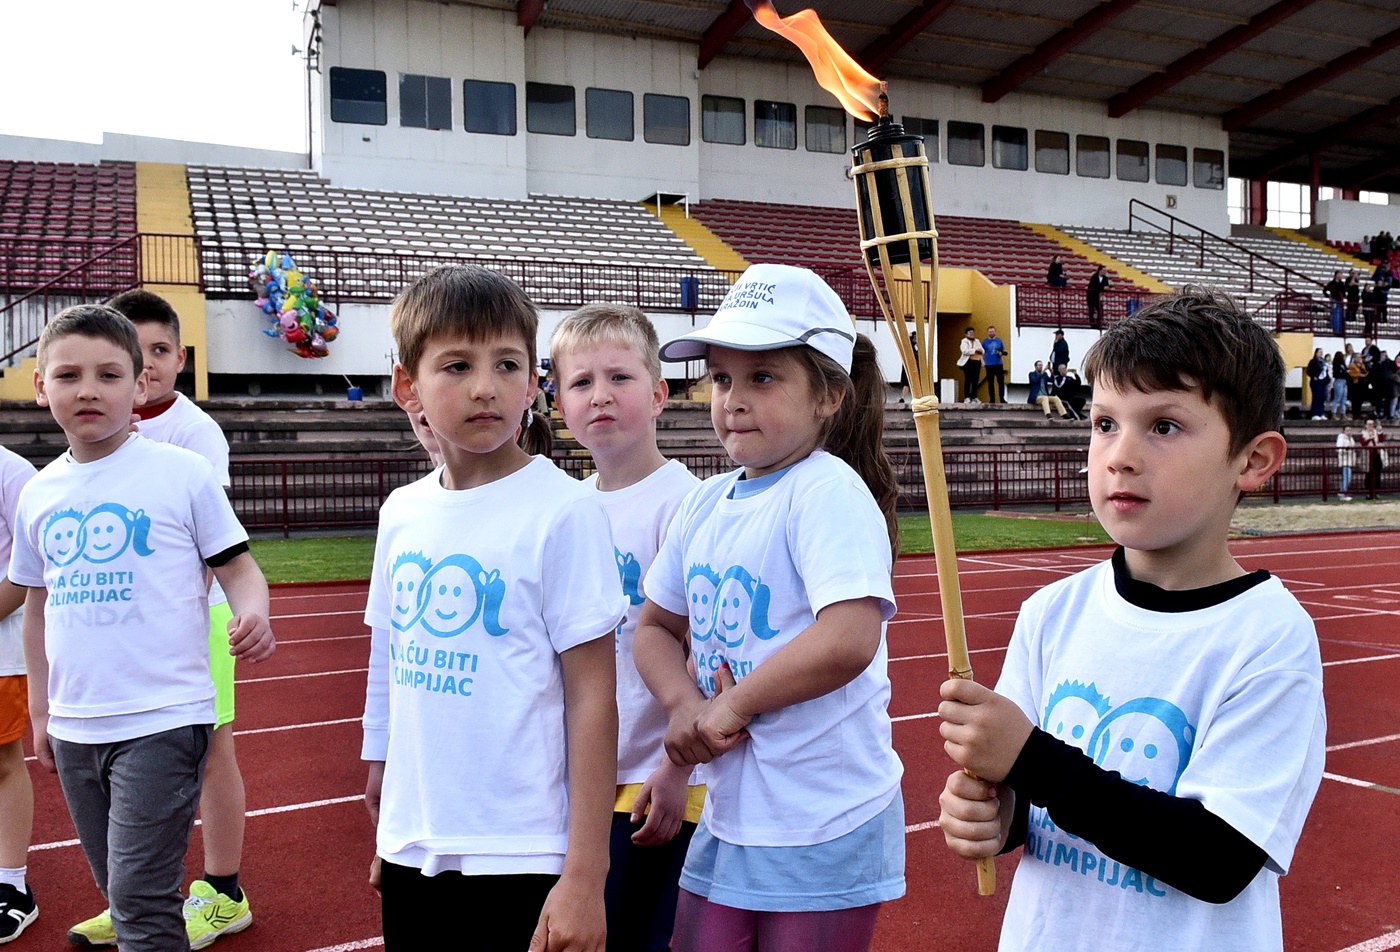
[{"x": 336, "y": 558}]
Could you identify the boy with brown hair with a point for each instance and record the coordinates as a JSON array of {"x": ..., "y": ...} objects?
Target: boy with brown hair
[
  {"x": 115, "y": 539},
  {"x": 1157, "y": 734},
  {"x": 607, "y": 369}
]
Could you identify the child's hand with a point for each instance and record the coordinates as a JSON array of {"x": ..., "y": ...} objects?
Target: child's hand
[
  {"x": 720, "y": 726},
  {"x": 982, "y": 731},
  {"x": 683, "y": 744},
  {"x": 572, "y": 920},
  {"x": 374, "y": 790},
  {"x": 250, "y": 637},
  {"x": 975, "y": 816},
  {"x": 375, "y": 869},
  {"x": 42, "y": 749},
  {"x": 665, "y": 792}
]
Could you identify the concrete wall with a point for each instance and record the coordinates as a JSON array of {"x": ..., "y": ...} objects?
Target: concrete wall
[{"x": 116, "y": 147}]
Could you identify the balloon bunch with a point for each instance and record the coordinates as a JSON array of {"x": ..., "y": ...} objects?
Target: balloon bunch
[{"x": 293, "y": 306}]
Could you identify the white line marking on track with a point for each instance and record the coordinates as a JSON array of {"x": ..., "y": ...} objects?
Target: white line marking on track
[
  {"x": 311, "y": 674},
  {"x": 1379, "y": 944},
  {"x": 296, "y": 727},
  {"x": 1364, "y": 784},
  {"x": 352, "y": 946},
  {"x": 922, "y": 657},
  {"x": 917, "y": 827},
  {"x": 358, "y": 611},
  {"x": 1364, "y": 743},
  {"x": 313, "y": 641},
  {"x": 1382, "y": 657},
  {"x": 913, "y": 717}
]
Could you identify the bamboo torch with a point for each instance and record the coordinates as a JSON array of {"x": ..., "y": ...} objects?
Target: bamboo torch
[{"x": 900, "y": 246}]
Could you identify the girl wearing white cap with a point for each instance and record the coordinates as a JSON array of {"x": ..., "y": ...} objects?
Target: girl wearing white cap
[{"x": 775, "y": 580}]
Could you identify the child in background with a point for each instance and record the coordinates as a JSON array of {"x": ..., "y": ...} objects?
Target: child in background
[
  {"x": 217, "y": 904},
  {"x": 17, "y": 906},
  {"x": 1156, "y": 738},
  {"x": 1346, "y": 461},
  {"x": 115, "y": 537},
  {"x": 611, "y": 391},
  {"x": 490, "y": 721},
  {"x": 777, "y": 577}
]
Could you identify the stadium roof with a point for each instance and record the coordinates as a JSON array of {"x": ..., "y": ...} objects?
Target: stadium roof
[{"x": 1288, "y": 78}]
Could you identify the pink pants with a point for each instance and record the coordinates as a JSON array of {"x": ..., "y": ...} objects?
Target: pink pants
[{"x": 704, "y": 926}]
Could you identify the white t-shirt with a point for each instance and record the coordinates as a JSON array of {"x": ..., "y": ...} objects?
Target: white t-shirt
[
  {"x": 1221, "y": 705},
  {"x": 120, "y": 545},
  {"x": 752, "y": 574},
  {"x": 474, "y": 595},
  {"x": 639, "y": 515},
  {"x": 15, "y": 471},
  {"x": 185, "y": 424}
]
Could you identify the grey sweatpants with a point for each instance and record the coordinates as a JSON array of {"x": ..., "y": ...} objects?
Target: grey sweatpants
[{"x": 133, "y": 802}]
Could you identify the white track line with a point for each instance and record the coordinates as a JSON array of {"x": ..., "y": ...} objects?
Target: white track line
[
  {"x": 267, "y": 811},
  {"x": 917, "y": 827},
  {"x": 314, "y": 641},
  {"x": 311, "y": 674},
  {"x": 1378, "y": 944},
  {"x": 944, "y": 654},
  {"x": 352, "y": 946},
  {"x": 913, "y": 717},
  {"x": 1383, "y": 657},
  {"x": 358, "y": 611},
  {"x": 1364, "y": 743},
  {"x": 1364, "y": 784},
  {"x": 296, "y": 727}
]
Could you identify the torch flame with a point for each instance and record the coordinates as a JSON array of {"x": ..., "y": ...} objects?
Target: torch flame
[{"x": 836, "y": 71}]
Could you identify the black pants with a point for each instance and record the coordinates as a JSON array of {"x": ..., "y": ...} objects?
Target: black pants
[
  {"x": 643, "y": 882},
  {"x": 996, "y": 383},
  {"x": 428, "y": 912},
  {"x": 972, "y": 376}
]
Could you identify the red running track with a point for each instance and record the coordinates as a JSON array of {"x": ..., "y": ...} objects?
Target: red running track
[{"x": 309, "y": 841}]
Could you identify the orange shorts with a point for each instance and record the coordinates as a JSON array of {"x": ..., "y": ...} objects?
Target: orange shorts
[{"x": 14, "y": 708}]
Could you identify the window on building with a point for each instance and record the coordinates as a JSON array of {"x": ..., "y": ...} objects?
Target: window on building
[
  {"x": 928, "y": 128},
  {"x": 608, "y": 114},
  {"x": 774, "y": 124},
  {"x": 826, "y": 129},
  {"x": 359, "y": 96},
  {"x": 425, "y": 102},
  {"x": 1010, "y": 148},
  {"x": 1237, "y": 200},
  {"x": 488, "y": 107},
  {"x": 1290, "y": 204},
  {"x": 1052, "y": 152},
  {"x": 722, "y": 120},
  {"x": 1208, "y": 170},
  {"x": 666, "y": 119},
  {"x": 1374, "y": 198},
  {"x": 1091, "y": 156},
  {"x": 1171, "y": 164},
  {"x": 967, "y": 143},
  {"x": 549, "y": 109},
  {"x": 1132, "y": 161}
]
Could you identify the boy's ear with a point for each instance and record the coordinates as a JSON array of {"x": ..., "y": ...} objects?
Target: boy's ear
[
  {"x": 1261, "y": 458},
  {"x": 183, "y": 354},
  {"x": 143, "y": 385},
  {"x": 659, "y": 393},
  {"x": 41, "y": 396},
  {"x": 404, "y": 393}
]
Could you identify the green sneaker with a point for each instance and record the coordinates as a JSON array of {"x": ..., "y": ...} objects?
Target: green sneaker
[
  {"x": 94, "y": 933},
  {"x": 210, "y": 914}
]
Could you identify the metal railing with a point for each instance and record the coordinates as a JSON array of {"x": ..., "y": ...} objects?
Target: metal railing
[
  {"x": 144, "y": 258},
  {"x": 286, "y": 495}
]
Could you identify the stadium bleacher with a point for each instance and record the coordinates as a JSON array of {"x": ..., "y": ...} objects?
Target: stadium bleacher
[{"x": 56, "y": 215}]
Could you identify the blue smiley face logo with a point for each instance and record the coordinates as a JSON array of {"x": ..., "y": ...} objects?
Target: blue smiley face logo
[
  {"x": 701, "y": 586},
  {"x": 456, "y": 593},
  {"x": 1147, "y": 741},
  {"x": 1072, "y": 713},
  {"x": 406, "y": 584},
  {"x": 110, "y": 529},
  {"x": 60, "y": 537},
  {"x": 741, "y": 607}
]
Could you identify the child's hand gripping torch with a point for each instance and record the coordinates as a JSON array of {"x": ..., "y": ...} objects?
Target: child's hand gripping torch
[{"x": 900, "y": 248}]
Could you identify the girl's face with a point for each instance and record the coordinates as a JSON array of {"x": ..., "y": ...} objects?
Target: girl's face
[{"x": 763, "y": 408}]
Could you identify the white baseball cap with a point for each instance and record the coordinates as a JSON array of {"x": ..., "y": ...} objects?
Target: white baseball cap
[{"x": 773, "y": 306}]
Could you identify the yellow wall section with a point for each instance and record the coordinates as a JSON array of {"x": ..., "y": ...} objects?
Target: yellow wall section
[
  {"x": 17, "y": 383},
  {"x": 1141, "y": 278},
  {"x": 163, "y": 208},
  {"x": 704, "y": 242}
]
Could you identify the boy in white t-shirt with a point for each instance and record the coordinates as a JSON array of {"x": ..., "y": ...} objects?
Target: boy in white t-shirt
[
  {"x": 607, "y": 371},
  {"x": 17, "y": 907},
  {"x": 217, "y": 905},
  {"x": 490, "y": 718},
  {"x": 114, "y": 541},
  {"x": 1157, "y": 735}
]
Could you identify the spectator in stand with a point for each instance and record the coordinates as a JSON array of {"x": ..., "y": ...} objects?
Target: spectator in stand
[
  {"x": 1370, "y": 350},
  {"x": 970, "y": 360},
  {"x": 1064, "y": 384},
  {"x": 1336, "y": 291},
  {"x": 1055, "y": 276},
  {"x": 1383, "y": 280},
  {"x": 1037, "y": 382},
  {"x": 1370, "y": 302},
  {"x": 1319, "y": 371},
  {"x": 1346, "y": 460},
  {"x": 1337, "y": 400},
  {"x": 1382, "y": 376},
  {"x": 1098, "y": 283},
  {"x": 1373, "y": 441},
  {"x": 1356, "y": 382},
  {"x": 993, "y": 351},
  {"x": 1367, "y": 248},
  {"x": 1059, "y": 351},
  {"x": 1353, "y": 293}
]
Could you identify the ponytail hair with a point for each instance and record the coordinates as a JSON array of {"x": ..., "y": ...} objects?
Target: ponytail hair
[
  {"x": 536, "y": 434},
  {"x": 856, "y": 432}
]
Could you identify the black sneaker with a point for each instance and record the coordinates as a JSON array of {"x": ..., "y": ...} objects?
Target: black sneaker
[{"x": 17, "y": 910}]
